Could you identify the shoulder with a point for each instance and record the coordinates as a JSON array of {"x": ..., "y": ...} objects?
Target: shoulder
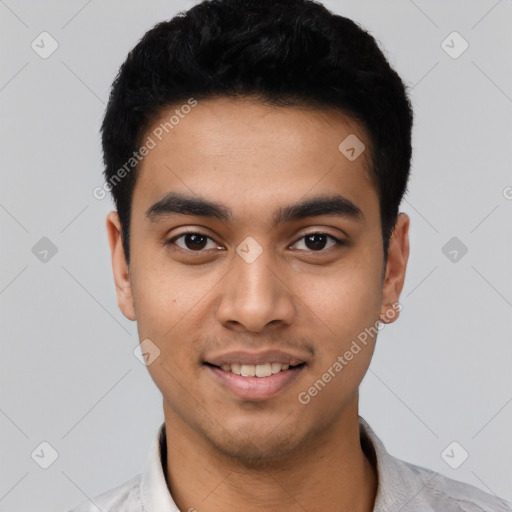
[
  {"x": 438, "y": 492},
  {"x": 411, "y": 488},
  {"x": 124, "y": 498}
]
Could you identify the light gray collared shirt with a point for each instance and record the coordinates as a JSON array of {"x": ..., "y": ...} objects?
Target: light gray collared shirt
[{"x": 402, "y": 487}]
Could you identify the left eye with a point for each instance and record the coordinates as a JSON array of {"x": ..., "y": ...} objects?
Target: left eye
[
  {"x": 319, "y": 241},
  {"x": 197, "y": 241}
]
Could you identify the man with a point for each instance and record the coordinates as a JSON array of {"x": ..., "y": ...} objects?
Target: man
[{"x": 257, "y": 153}]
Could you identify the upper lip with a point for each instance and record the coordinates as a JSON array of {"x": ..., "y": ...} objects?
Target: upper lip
[{"x": 255, "y": 358}]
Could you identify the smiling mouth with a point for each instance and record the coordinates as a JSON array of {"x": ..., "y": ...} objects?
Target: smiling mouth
[{"x": 259, "y": 370}]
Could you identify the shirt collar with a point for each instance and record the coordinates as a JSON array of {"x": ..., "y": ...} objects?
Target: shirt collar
[
  {"x": 397, "y": 485},
  {"x": 154, "y": 491}
]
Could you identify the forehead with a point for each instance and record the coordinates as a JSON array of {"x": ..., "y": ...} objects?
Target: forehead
[{"x": 251, "y": 155}]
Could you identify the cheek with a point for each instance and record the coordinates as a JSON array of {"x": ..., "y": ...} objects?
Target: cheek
[
  {"x": 334, "y": 386},
  {"x": 345, "y": 330},
  {"x": 170, "y": 310},
  {"x": 162, "y": 296},
  {"x": 345, "y": 300}
]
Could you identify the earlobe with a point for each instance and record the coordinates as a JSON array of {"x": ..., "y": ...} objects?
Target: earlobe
[
  {"x": 398, "y": 255},
  {"x": 119, "y": 266}
]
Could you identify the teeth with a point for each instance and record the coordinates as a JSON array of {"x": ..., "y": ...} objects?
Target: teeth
[
  {"x": 276, "y": 367},
  {"x": 248, "y": 370},
  {"x": 263, "y": 370},
  {"x": 251, "y": 370}
]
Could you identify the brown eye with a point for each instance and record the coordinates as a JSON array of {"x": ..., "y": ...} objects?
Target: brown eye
[
  {"x": 192, "y": 241},
  {"x": 317, "y": 242}
]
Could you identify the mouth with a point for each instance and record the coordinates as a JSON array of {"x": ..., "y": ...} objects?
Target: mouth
[
  {"x": 254, "y": 382},
  {"x": 259, "y": 370}
]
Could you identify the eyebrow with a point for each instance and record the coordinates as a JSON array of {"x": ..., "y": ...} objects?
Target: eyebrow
[{"x": 175, "y": 203}]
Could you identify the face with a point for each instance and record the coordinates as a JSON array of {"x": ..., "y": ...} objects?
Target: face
[{"x": 254, "y": 239}]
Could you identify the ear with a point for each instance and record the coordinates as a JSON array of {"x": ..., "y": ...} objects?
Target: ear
[
  {"x": 398, "y": 255},
  {"x": 120, "y": 267}
]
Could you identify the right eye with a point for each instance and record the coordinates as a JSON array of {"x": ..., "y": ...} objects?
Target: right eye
[{"x": 192, "y": 241}]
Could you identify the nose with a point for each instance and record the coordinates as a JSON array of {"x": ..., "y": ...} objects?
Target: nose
[{"x": 255, "y": 296}]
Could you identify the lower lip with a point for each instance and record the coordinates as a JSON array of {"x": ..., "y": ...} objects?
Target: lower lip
[{"x": 255, "y": 388}]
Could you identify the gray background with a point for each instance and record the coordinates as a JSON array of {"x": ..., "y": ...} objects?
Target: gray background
[{"x": 68, "y": 373}]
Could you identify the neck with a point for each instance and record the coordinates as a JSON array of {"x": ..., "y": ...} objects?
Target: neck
[{"x": 329, "y": 472}]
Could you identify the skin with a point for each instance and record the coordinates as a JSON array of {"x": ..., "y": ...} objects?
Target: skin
[{"x": 226, "y": 453}]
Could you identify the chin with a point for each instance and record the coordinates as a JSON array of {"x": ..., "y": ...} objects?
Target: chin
[{"x": 258, "y": 450}]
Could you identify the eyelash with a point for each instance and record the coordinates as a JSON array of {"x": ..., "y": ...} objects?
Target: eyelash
[{"x": 338, "y": 241}]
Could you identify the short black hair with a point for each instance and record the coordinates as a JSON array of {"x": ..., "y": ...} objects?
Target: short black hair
[{"x": 284, "y": 52}]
